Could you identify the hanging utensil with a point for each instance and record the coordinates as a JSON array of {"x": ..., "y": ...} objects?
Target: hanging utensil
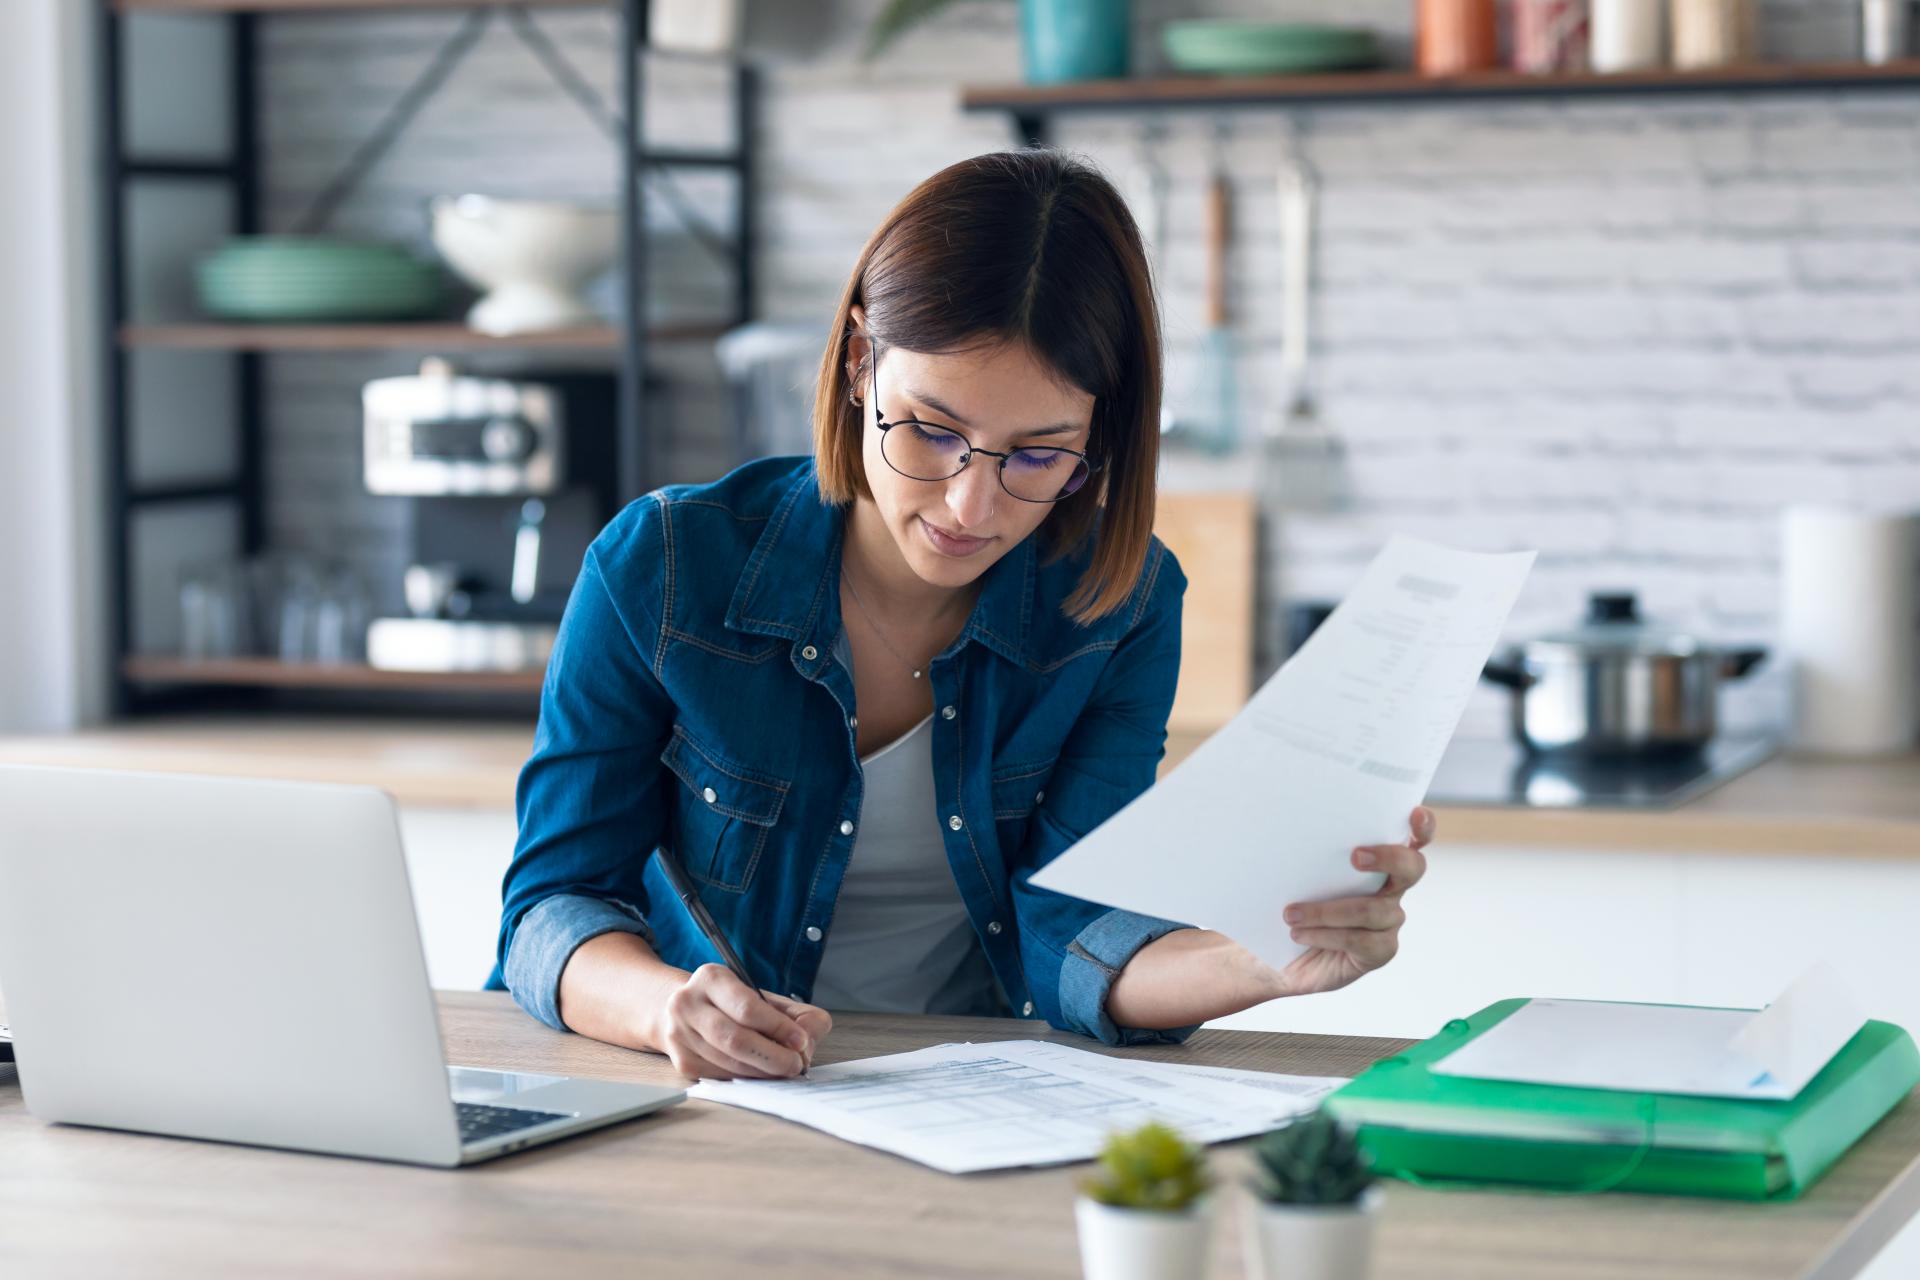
[
  {"x": 1149, "y": 190},
  {"x": 1305, "y": 461},
  {"x": 1218, "y": 429}
]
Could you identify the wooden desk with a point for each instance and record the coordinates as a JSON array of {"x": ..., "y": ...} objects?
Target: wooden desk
[{"x": 702, "y": 1190}]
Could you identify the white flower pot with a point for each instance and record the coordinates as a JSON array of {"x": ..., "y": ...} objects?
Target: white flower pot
[
  {"x": 1312, "y": 1242},
  {"x": 1143, "y": 1244}
]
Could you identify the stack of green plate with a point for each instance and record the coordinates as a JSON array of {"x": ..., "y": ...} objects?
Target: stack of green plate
[
  {"x": 304, "y": 278},
  {"x": 1223, "y": 47}
]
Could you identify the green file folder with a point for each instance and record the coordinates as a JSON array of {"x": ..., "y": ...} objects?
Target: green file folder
[{"x": 1422, "y": 1126}]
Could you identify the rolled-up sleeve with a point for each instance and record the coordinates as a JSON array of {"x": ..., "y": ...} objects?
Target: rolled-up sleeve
[
  {"x": 1072, "y": 950},
  {"x": 590, "y": 797},
  {"x": 1094, "y": 959},
  {"x": 546, "y": 939}
]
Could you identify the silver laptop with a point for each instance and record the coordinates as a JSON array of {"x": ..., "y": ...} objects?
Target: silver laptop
[{"x": 239, "y": 960}]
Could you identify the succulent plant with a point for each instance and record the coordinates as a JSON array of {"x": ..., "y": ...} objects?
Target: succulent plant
[
  {"x": 1315, "y": 1160},
  {"x": 1151, "y": 1168}
]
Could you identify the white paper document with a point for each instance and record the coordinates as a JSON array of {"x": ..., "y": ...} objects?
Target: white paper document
[
  {"x": 962, "y": 1108},
  {"x": 1306, "y": 1088},
  {"x": 1332, "y": 753},
  {"x": 1656, "y": 1048}
]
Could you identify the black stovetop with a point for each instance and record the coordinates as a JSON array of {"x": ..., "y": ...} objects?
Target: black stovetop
[{"x": 1499, "y": 772}]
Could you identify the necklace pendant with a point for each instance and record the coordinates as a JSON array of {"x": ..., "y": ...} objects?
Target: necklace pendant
[{"x": 916, "y": 675}]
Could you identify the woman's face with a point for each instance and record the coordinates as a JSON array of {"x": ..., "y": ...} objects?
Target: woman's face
[{"x": 999, "y": 397}]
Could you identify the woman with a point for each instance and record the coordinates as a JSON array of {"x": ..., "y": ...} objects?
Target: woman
[{"x": 864, "y": 696}]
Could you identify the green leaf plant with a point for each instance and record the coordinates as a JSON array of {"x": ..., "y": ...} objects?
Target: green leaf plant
[
  {"x": 1314, "y": 1161},
  {"x": 1152, "y": 1168}
]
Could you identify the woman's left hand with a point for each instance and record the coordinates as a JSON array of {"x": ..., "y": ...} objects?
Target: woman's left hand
[{"x": 1347, "y": 937}]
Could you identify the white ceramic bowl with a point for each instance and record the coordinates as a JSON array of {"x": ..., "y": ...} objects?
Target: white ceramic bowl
[{"x": 532, "y": 256}]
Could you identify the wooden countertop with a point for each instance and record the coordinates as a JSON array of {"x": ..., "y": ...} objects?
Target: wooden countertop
[
  {"x": 1788, "y": 805},
  {"x": 705, "y": 1190},
  {"x": 1851, "y": 808},
  {"x": 455, "y": 763}
]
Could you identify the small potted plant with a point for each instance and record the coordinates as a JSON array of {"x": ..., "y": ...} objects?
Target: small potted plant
[
  {"x": 1144, "y": 1212},
  {"x": 1315, "y": 1204}
]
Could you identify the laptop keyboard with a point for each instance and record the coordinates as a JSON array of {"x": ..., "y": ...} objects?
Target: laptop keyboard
[{"x": 479, "y": 1122}]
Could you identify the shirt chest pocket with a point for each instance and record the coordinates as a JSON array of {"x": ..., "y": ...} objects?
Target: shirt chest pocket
[
  {"x": 1017, "y": 792},
  {"x": 723, "y": 813}
]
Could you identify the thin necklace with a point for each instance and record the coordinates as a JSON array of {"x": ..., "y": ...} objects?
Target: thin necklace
[{"x": 875, "y": 627}]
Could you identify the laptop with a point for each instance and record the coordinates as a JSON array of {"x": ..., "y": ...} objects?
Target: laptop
[{"x": 238, "y": 960}]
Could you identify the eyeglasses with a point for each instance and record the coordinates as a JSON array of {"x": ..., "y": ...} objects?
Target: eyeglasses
[{"x": 926, "y": 451}]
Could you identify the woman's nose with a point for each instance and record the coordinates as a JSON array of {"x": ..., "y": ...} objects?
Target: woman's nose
[{"x": 971, "y": 494}]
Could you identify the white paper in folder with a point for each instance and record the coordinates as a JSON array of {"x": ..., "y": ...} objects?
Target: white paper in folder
[{"x": 1332, "y": 753}]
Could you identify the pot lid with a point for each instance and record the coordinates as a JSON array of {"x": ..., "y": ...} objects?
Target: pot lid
[{"x": 1613, "y": 625}]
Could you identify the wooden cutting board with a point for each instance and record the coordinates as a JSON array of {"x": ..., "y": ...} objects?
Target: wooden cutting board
[{"x": 1214, "y": 535}]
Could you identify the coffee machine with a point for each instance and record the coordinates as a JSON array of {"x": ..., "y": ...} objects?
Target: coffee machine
[{"x": 507, "y": 481}]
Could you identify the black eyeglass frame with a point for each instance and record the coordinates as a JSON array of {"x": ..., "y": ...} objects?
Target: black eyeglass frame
[{"x": 880, "y": 420}]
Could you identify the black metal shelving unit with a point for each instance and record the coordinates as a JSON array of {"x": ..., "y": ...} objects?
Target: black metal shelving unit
[{"x": 139, "y": 684}]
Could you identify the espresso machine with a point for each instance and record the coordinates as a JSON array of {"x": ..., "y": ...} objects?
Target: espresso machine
[{"x": 507, "y": 481}]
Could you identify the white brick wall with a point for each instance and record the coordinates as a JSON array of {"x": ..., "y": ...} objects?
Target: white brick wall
[{"x": 1623, "y": 331}]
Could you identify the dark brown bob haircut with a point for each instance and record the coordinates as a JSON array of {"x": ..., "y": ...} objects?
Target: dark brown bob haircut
[{"x": 1034, "y": 248}]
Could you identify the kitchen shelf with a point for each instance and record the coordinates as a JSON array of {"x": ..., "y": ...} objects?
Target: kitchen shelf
[
  {"x": 196, "y": 335},
  {"x": 1030, "y": 105},
  {"x": 271, "y": 673}
]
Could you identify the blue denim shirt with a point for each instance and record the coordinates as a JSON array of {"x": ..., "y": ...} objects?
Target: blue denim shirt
[{"x": 694, "y": 700}]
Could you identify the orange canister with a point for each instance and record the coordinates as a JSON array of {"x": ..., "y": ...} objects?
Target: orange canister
[{"x": 1456, "y": 36}]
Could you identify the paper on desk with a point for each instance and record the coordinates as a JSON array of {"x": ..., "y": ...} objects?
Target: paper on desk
[
  {"x": 1332, "y": 753},
  {"x": 1306, "y": 1088},
  {"x": 1656, "y": 1048},
  {"x": 962, "y": 1108}
]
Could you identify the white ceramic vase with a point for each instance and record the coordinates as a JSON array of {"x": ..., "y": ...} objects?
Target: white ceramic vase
[
  {"x": 1143, "y": 1244},
  {"x": 1311, "y": 1242}
]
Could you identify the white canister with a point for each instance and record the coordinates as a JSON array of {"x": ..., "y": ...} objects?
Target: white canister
[
  {"x": 1850, "y": 629},
  {"x": 1628, "y": 35},
  {"x": 695, "y": 26},
  {"x": 1143, "y": 1244},
  {"x": 1311, "y": 1241},
  {"x": 1713, "y": 33},
  {"x": 1886, "y": 30}
]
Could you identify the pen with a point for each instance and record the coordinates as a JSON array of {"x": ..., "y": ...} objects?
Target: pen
[{"x": 703, "y": 919}]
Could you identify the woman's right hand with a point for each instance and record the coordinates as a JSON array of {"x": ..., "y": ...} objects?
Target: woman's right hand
[{"x": 716, "y": 1027}]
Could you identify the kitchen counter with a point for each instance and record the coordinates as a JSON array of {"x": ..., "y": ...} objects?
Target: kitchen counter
[
  {"x": 1850, "y": 808},
  {"x": 448, "y": 763},
  {"x": 1788, "y": 805}
]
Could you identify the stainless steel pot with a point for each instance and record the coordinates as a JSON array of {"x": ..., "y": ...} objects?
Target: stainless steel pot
[{"x": 1617, "y": 686}]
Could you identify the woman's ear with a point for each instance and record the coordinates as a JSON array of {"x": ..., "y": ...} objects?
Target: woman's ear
[{"x": 859, "y": 347}]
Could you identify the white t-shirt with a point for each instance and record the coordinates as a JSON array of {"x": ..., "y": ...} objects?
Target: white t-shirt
[{"x": 900, "y": 940}]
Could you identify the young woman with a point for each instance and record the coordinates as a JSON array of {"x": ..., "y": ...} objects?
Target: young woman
[{"x": 864, "y": 696}]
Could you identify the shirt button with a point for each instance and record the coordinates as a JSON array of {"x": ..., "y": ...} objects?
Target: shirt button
[
  {"x": 993, "y": 926},
  {"x": 709, "y": 795},
  {"x": 853, "y": 722},
  {"x": 1038, "y": 796},
  {"x": 846, "y": 828},
  {"x": 948, "y": 713},
  {"x": 1026, "y": 1010},
  {"x": 954, "y": 822},
  {"x": 813, "y": 933},
  {"x": 809, "y": 653}
]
